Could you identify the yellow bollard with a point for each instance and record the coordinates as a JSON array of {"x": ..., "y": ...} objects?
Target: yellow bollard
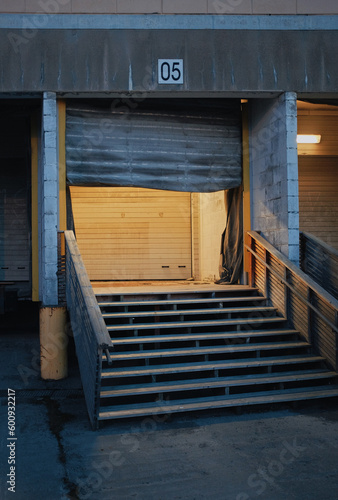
[{"x": 53, "y": 343}]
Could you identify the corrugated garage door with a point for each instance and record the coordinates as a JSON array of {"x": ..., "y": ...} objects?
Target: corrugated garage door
[
  {"x": 14, "y": 223},
  {"x": 318, "y": 200},
  {"x": 133, "y": 233}
]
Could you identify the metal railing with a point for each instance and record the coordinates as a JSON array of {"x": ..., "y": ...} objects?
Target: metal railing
[
  {"x": 61, "y": 272},
  {"x": 90, "y": 333},
  {"x": 320, "y": 262},
  {"x": 305, "y": 304}
]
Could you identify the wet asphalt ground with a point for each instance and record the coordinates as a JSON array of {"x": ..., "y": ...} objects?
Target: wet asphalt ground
[{"x": 274, "y": 453}]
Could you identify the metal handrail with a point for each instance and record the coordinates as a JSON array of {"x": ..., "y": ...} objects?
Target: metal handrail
[
  {"x": 99, "y": 327},
  {"x": 314, "y": 286},
  {"x": 89, "y": 329},
  {"x": 308, "y": 310},
  {"x": 320, "y": 262},
  {"x": 325, "y": 247}
]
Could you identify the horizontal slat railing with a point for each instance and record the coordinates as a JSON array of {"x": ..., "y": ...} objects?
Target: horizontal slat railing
[
  {"x": 306, "y": 305},
  {"x": 320, "y": 262},
  {"x": 90, "y": 332}
]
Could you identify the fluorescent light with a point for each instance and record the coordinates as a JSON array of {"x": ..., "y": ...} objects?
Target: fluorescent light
[{"x": 309, "y": 139}]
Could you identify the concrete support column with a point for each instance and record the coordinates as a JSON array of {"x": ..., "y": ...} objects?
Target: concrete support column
[
  {"x": 48, "y": 202},
  {"x": 53, "y": 338},
  {"x": 274, "y": 172}
]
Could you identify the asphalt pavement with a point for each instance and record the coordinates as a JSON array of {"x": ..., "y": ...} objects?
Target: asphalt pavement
[{"x": 275, "y": 453}]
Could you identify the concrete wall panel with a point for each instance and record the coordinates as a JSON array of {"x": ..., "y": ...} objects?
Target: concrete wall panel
[
  {"x": 274, "y": 7},
  {"x": 227, "y": 7},
  {"x": 48, "y": 6},
  {"x": 317, "y": 7},
  {"x": 236, "y": 62},
  {"x": 172, "y": 6},
  {"x": 135, "y": 6},
  {"x": 93, "y": 6},
  {"x": 10, "y": 6},
  {"x": 185, "y": 7}
]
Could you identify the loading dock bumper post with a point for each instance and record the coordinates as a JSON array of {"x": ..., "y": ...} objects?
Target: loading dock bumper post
[{"x": 53, "y": 343}]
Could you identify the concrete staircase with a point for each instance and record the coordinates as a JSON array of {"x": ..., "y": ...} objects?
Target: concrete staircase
[{"x": 196, "y": 350}]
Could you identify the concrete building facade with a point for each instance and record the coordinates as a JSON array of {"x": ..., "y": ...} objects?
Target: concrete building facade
[
  {"x": 269, "y": 57},
  {"x": 246, "y": 7}
]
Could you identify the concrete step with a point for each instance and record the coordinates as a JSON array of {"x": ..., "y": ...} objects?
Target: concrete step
[
  {"x": 192, "y": 294},
  {"x": 170, "y": 354},
  {"x": 247, "y": 363},
  {"x": 180, "y": 302},
  {"x": 196, "y": 324},
  {"x": 198, "y": 351},
  {"x": 218, "y": 336},
  {"x": 154, "y": 315},
  {"x": 259, "y": 398},
  {"x": 216, "y": 382}
]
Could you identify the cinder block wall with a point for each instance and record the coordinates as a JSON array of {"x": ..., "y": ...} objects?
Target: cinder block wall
[
  {"x": 48, "y": 202},
  {"x": 226, "y": 7},
  {"x": 274, "y": 172}
]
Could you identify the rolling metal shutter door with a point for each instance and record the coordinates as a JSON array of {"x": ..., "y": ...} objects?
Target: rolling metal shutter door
[
  {"x": 318, "y": 200},
  {"x": 133, "y": 233},
  {"x": 175, "y": 145},
  {"x": 14, "y": 221}
]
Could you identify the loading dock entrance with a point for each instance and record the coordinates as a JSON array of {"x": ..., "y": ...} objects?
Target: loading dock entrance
[
  {"x": 15, "y": 219},
  {"x": 133, "y": 233},
  {"x": 133, "y": 175},
  {"x": 318, "y": 171}
]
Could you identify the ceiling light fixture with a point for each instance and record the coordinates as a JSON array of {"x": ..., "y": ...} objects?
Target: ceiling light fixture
[{"x": 308, "y": 139}]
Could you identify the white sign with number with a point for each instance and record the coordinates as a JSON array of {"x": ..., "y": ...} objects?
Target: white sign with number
[{"x": 170, "y": 71}]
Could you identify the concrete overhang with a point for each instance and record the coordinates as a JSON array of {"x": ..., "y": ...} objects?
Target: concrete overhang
[{"x": 224, "y": 56}]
